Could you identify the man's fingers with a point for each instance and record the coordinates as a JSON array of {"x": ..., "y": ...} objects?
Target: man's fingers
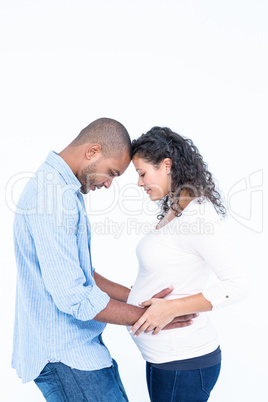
[
  {"x": 185, "y": 317},
  {"x": 163, "y": 293},
  {"x": 146, "y": 303},
  {"x": 182, "y": 321},
  {"x": 178, "y": 324}
]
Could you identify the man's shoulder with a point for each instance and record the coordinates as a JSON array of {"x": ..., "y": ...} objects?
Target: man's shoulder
[{"x": 45, "y": 186}]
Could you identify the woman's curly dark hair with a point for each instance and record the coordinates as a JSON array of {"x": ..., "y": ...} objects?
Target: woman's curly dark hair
[{"x": 188, "y": 171}]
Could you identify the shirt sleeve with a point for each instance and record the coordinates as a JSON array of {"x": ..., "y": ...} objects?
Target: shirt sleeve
[
  {"x": 211, "y": 244},
  {"x": 54, "y": 236}
]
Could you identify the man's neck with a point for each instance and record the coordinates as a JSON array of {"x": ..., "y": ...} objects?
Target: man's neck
[{"x": 70, "y": 156}]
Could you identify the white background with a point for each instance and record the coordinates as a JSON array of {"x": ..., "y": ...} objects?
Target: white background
[{"x": 196, "y": 66}]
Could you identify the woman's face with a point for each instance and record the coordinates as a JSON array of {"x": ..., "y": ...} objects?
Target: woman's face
[{"x": 155, "y": 180}]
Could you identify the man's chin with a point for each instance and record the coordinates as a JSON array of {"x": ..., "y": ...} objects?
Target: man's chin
[{"x": 84, "y": 190}]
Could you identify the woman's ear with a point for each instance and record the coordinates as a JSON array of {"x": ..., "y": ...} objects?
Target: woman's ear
[
  {"x": 168, "y": 164},
  {"x": 92, "y": 151}
]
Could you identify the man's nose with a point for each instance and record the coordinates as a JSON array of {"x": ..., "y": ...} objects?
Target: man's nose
[{"x": 108, "y": 183}]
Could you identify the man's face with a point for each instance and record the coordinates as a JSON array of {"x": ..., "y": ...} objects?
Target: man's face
[{"x": 101, "y": 172}]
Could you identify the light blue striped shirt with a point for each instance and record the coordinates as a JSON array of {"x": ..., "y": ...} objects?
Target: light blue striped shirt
[{"x": 56, "y": 295}]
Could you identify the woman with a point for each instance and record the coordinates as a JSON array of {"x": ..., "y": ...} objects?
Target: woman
[{"x": 182, "y": 250}]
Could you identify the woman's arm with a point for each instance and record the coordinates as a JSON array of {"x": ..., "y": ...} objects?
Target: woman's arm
[{"x": 162, "y": 311}]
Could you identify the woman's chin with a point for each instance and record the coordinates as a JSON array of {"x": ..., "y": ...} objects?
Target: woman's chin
[{"x": 154, "y": 197}]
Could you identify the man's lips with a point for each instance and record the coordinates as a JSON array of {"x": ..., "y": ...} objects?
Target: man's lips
[{"x": 93, "y": 188}]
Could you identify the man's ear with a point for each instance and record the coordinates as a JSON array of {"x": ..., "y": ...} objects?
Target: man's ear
[
  {"x": 92, "y": 151},
  {"x": 168, "y": 164}
]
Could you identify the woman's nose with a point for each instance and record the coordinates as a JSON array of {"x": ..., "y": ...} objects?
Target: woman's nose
[{"x": 140, "y": 182}]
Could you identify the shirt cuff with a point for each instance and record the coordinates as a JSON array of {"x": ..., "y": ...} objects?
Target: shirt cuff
[
  {"x": 215, "y": 299},
  {"x": 220, "y": 297},
  {"x": 93, "y": 304}
]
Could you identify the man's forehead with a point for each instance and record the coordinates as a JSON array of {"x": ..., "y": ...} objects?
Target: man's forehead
[{"x": 120, "y": 164}]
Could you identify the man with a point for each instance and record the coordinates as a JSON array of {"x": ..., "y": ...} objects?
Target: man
[{"x": 62, "y": 303}]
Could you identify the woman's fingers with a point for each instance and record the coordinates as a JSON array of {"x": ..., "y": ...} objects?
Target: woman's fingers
[
  {"x": 150, "y": 328},
  {"x": 146, "y": 327},
  {"x": 138, "y": 324},
  {"x": 157, "y": 316},
  {"x": 141, "y": 329},
  {"x": 142, "y": 325}
]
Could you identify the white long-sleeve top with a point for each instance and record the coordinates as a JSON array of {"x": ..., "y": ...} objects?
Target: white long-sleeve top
[{"x": 184, "y": 253}]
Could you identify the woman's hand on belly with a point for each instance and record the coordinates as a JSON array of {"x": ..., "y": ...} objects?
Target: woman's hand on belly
[
  {"x": 161, "y": 312},
  {"x": 159, "y": 316}
]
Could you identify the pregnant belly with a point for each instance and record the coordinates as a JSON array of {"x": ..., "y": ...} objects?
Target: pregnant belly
[{"x": 176, "y": 344}]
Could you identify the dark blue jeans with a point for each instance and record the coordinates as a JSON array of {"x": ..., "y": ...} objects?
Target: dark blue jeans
[
  {"x": 61, "y": 383},
  {"x": 181, "y": 386}
]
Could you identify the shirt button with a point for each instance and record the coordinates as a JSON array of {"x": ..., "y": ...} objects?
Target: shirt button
[{"x": 227, "y": 296}]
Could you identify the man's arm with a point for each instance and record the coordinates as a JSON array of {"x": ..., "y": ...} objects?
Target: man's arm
[
  {"x": 114, "y": 290},
  {"x": 120, "y": 313},
  {"x": 126, "y": 314}
]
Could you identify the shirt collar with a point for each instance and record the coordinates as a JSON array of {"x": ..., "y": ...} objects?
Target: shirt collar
[{"x": 54, "y": 160}]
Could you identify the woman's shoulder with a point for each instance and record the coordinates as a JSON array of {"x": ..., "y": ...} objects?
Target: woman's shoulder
[{"x": 202, "y": 208}]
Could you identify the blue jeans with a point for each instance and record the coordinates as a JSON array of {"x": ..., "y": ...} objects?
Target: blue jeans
[
  {"x": 181, "y": 386},
  {"x": 61, "y": 383}
]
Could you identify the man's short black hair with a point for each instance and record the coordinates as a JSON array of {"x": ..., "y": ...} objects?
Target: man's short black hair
[{"x": 110, "y": 134}]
